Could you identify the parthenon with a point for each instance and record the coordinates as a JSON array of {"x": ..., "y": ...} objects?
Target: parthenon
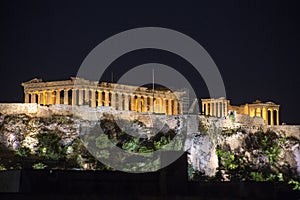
[
  {"x": 220, "y": 107},
  {"x": 78, "y": 91}
]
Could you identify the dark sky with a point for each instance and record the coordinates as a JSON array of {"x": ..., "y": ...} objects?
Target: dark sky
[{"x": 255, "y": 45}]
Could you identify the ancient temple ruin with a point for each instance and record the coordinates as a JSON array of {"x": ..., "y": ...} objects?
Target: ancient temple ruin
[
  {"x": 220, "y": 107},
  {"x": 78, "y": 91},
  {"x": 215, "y": 107}
]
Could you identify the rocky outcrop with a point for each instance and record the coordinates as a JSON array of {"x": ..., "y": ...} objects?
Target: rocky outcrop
[
  {"x": 214, "y": 144},
  {"x": 203, "y": 155}
]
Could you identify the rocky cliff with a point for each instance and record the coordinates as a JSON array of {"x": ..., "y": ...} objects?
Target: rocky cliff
[{"x": 229, "y": 148}]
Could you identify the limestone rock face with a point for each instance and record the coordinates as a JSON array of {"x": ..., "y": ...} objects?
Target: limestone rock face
[
  {"x": 203, "y": 155},
  {"x": 235, "y": 141},
  {"x": 202, "y": 135},
  {"x": 296, "y": 152},
  {"x": 21, "y": 130}
]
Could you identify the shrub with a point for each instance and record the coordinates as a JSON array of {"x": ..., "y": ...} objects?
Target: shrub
[
  {"x": 295, "y": 184},
  {"x": 23, "y": 152},
  {"x": 39, "y": 166},
  {"x": 49, "y": 146},
  {"x": 227, "y": 159}
]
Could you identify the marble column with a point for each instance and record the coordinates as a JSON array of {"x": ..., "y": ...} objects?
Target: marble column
[
  {"x": 138, "y": 104},
  {"x": 145, "y": 104},
  {"x": 277, "y": 117},
  {"x": 164, "y": 105},
  {"x": 113, "y": 100},
  {"x": 126, "y": 102},
  {"x": 161, "y": 103},
  {"x": 57, "y": 97},
  {"x": 151, "y": 104},
  {"x": 120, "y": 101},
  {"x": 106, "y": 98},
  {"x": 169, "y": 107},
  {"x": 206, "y": 109},
  {"x": 265, "y": 115},
  {"x": 26, "y": 97},
  {"x": 66, "y": 98},
  {"x": 86, "y": 97},
  {"x": 93, "y": 98},
  {"x": 74, "y": 97},
  {"x": 32, "y": 98},
  {"x": 132, "y": 102},
  {"x": 157, "y": 105},
  {"x": 39, "y": 98},
  {"x": 272, "y": 117},
  {"x": 99, "y": 97},
  {"x": 80, "y": 97},
  {"x": 211, "y": 109},
  {"x": 175, "y": 107},
  {"x": 49, "y": 97},
  {"x": 42, "y": 98},
  {"x": 215, "y": 109}
]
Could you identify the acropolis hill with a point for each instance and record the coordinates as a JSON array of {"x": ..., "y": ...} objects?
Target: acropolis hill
[{"x": 249, "y": 134}]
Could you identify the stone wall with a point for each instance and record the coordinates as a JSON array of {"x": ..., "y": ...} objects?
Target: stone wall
[
  {"x": 19, "y": 108},
  {"x": 84, "y": 112},
  {"x": 87, "y": 113}
]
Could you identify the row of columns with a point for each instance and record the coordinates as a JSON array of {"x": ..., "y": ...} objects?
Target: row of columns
[
  {"x": 92, "y": 97},
  {"x": 217, "y": 109},
  {"x": 270, "y": 115},
  {"x": 274, "y": 117},
  {"x": 46, "y": 97}
]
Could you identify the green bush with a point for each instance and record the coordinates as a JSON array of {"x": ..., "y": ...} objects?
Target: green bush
[
  {"x": 131, "y": 145},
  {"x": 39, "y": 166},
  {"x": 295, "y": 184},
  {"x": 49, "y": 146},
  {"x": 227, "y": 159},
  {"x": 23, "y": 152},
  {"x": 257, "y": 176}
]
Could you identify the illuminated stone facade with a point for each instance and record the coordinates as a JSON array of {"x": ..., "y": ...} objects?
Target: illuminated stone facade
[
  {"x": 220, "y": 107},
  {"x": 215, "y": 107},
  {"x": 78, "y": 91}
]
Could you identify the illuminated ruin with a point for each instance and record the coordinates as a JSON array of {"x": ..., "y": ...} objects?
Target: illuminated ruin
[
  {"x": 220, "y": 107},
  {"x": 78, "y": 91}
]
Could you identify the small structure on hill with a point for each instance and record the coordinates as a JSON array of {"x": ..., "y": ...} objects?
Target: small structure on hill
[{"x": 220, "y": 107}]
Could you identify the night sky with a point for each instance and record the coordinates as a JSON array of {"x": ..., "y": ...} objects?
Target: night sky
[{"x": 255, "y": 45}]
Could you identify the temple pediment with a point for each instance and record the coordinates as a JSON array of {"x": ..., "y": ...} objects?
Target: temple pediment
[{"x": 35, "y": 80}]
